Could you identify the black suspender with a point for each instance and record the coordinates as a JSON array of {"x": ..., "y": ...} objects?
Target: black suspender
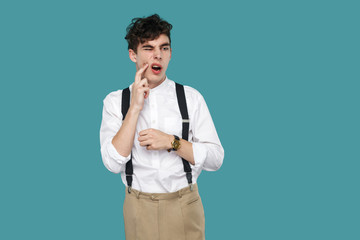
[
  {"x": 125, "y": 103},
  {"x": 180, "y": 93}
]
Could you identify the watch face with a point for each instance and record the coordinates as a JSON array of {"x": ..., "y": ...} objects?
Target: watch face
[{"x": 176, "y": 144}]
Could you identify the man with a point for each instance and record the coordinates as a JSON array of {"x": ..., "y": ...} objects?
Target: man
[{"x": 145, "y": 141}]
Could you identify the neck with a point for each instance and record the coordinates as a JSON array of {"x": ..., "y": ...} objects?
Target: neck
[{"x": 154, "y": 85}]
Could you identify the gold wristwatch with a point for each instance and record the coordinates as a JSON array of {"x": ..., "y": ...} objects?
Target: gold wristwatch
[{"x": 175, "y": 144}]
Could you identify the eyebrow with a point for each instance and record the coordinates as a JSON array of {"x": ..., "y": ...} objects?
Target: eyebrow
[{"x": 162, "y": 45}]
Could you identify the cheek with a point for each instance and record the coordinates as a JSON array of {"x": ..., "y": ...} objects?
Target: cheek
[{"x": 147, "y": 72}]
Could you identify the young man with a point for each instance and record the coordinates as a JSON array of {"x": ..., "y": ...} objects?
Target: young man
[{"x": 146, "y": 141}]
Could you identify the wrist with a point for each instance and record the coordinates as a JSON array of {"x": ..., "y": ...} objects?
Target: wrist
[
  {"x": 169, "y": 142},
  {"x": 134, "y": 109}
]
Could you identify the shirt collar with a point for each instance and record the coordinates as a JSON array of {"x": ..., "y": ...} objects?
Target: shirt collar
[{"x": 161, "y": 86}]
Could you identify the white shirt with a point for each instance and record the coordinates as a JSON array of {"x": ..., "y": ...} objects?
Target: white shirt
[{"x": 158, "y": 171}]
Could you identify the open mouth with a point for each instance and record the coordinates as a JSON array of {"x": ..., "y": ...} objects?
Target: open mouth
[{"x": 156, "y": 68}]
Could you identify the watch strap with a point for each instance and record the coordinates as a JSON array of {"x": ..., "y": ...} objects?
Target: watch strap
[{"x": 176, "y": 138}]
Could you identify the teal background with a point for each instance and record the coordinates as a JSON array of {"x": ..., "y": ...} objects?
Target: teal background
[{"x": 281, "y": 79}]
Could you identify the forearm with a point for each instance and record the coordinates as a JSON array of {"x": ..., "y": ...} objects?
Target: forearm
[
  {"x": 185, "y": 151},
  {"x": 208, "y": 156},
  {"x": 124, "y": 139},
  {"x": 154, "y": 139}
]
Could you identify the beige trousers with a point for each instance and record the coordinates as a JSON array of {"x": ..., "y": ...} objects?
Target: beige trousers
[{"x": 164, "y": 216}]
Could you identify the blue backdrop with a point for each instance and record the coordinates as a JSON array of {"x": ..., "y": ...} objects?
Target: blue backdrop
[{"x": 281, "y": 79}]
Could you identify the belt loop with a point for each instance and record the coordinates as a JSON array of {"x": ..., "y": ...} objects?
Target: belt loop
[
  {"x": 180, "y": 195},
  {"x": 137, "y": 194}
]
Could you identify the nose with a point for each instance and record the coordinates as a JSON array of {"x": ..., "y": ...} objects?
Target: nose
[{"x": 157, "y": 54}]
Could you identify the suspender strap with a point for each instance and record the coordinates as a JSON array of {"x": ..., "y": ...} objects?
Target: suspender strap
[
  {"x": 180, "y": 93},
  {"x": 125, "y": 103}
]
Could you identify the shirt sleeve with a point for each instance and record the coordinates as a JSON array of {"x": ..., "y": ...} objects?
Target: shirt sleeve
[
  {"x": 207, "y": 149},
  {"x": 110, "y": 125}
]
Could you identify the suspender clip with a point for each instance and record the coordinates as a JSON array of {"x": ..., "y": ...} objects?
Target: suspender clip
[
  {"x": 191, "y": 187},
  {"x": 129, "y": 189}
]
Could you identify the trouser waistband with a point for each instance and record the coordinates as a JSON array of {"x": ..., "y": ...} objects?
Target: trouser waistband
[{"x": 162, "y": 196}]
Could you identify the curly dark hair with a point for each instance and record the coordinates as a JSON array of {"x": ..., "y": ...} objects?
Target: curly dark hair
[{"x": 144, "y": 29}]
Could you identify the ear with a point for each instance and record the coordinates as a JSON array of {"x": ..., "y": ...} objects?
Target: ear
[
  {"x": 132, "y": 55},
  {"x": 170, "y": 52}
]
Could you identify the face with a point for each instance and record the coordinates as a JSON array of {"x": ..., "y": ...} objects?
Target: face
[{"x": 157, "y": 53}]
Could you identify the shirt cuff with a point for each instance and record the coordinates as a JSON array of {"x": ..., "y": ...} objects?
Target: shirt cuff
[
  {"x": 113, "y": 153},
  {"x": 200, "y": 154}
]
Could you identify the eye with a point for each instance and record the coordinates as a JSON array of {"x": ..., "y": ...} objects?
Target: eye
[{"x": 166, "y": 48}]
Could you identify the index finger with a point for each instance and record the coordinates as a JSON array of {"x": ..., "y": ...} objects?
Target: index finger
[
  {"x": 141, "y": 70},
  {"x": 143, "y": 132}
]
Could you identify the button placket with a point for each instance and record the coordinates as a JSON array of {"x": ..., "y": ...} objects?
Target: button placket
[
  {"x": 154, "y": 125},
  {"x": 153, "y": 111}
]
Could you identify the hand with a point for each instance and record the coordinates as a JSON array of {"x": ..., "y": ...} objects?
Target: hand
[
  {"x": 140, "y": 89},
  {"x": 155, "y": 139}
]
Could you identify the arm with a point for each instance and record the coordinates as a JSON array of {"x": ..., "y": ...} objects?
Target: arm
[
  {"x": 117, "y": 137},
  {"x": 124, "y": 139},
  {"x": 155, "y": 139},
  {"x": 110, "y": 124},
  {"x": 207, "y": 149}
]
